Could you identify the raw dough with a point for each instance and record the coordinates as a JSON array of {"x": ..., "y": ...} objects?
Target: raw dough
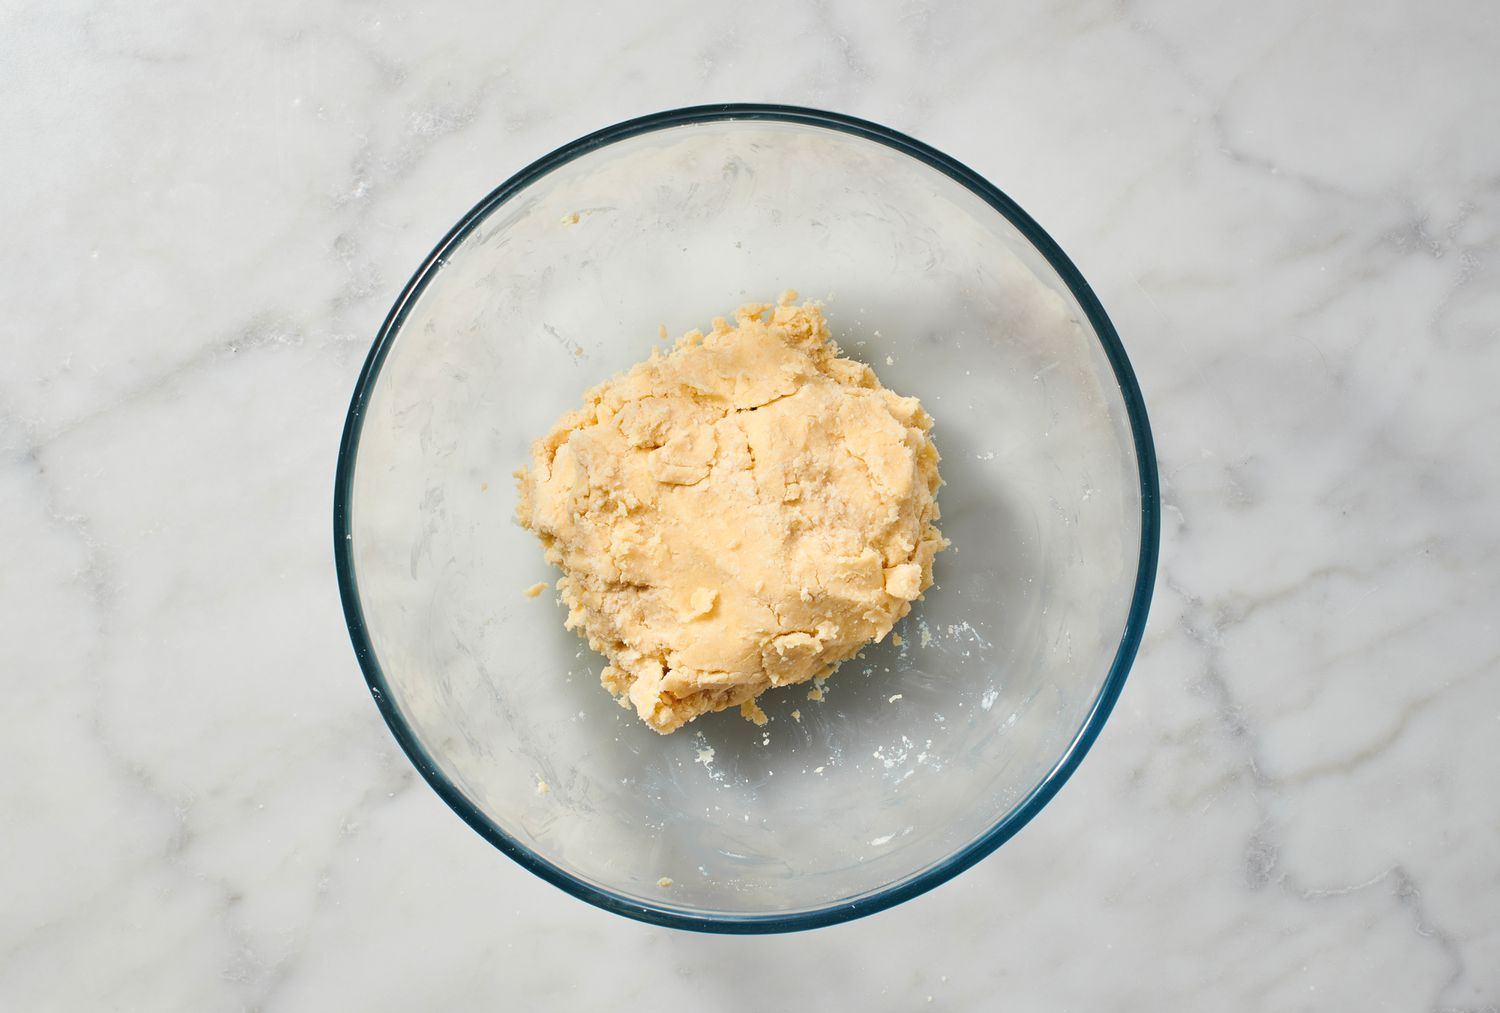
[{"x": 747, "y": 511}]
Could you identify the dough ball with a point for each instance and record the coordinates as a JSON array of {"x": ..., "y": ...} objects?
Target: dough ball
[{"x": 745, "y": 512}]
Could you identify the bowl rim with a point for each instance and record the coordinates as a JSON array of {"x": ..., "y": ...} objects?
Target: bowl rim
[{"x": 1021, "y": 813}]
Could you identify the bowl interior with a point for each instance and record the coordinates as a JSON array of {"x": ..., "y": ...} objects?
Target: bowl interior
[{"x": 916, "y": 751}]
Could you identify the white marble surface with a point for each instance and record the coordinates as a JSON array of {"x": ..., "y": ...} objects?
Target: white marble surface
[{"x": 1293, "y": 215}]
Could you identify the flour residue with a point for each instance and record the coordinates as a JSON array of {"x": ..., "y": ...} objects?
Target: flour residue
[{"x": 705, "y": 756}]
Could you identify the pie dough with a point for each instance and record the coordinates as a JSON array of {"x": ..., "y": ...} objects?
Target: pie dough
[{"x": 745, "y": 512}]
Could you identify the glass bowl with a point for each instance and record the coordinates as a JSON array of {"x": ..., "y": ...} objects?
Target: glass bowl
[{"x": 921, "y": 758}]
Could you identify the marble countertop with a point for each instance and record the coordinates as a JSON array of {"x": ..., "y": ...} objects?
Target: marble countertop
[{"x": 1292, "y": 213}]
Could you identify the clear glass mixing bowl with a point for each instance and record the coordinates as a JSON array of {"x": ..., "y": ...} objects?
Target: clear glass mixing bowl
[{"x": 923, "y": 757}]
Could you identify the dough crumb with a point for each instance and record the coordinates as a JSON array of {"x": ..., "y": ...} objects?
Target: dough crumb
[
  {"x": 664, "y": 882},
  {"x": 745, "y": 512},
  {"x": 797, "y": 716},
  {"x": 895, "y": 640},
  {"x": 894, "y": 698},
  {"x": 484, "y": 487},
  {"x": 536, "y": 589},
  {"x": 542, "y": 787},
  {"x": 571, "y": 218}
]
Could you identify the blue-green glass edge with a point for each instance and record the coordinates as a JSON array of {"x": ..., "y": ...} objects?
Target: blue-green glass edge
[{"x": 1130, "y": 640}]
